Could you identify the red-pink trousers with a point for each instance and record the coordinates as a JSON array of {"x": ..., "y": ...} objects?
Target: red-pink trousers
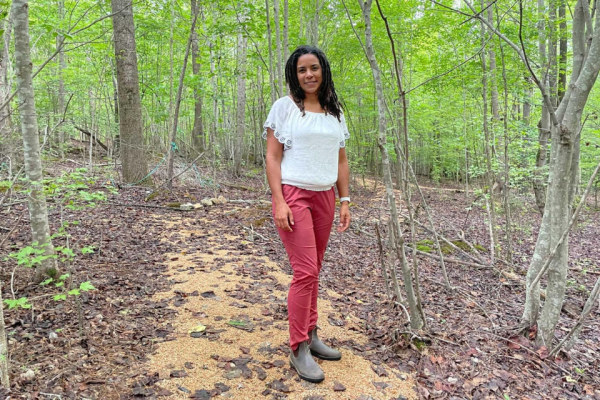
[{"x": 313, "y": 214}]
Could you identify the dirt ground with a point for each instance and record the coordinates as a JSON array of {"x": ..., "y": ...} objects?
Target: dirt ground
[{"x": 237, "y": 300}]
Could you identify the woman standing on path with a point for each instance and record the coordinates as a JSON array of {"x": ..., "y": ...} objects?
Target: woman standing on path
[{"x": 306, "y": 136}]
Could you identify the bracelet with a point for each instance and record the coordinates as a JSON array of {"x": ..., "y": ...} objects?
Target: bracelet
[{"x": 342, "y": 199}]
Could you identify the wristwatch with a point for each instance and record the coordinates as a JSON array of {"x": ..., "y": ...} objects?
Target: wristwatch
[{"x": 342, "y": 199}]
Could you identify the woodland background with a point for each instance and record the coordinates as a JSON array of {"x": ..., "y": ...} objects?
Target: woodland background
[{"x": 165, "y": 98}]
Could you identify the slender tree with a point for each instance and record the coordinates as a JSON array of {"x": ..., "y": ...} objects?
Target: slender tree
[
  {"x": 171, "y": 154},
  {"x": 280, "y": 77},
  {"x": 415, "y": 312},
  {"x": 6, "y": 134},
  {"x": 272, "y": 72},
  {"x": 133, "y": 157},
  {"x": 487, "y": 146},
  {"x": 62, "y": 65},
  {"x": 286, "y": 22},
  {"x": 241, "y": 103},
  {"x": 198, "y": 139},
  {"x": 38, "y": 211},
  {"x": 4, "y": 377}
]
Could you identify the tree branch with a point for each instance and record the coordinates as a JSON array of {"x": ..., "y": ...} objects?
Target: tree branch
[{"x": 354, "y": 30}]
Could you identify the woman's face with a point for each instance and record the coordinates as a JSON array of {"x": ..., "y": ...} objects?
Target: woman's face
[{"x": 309, "y": 73}]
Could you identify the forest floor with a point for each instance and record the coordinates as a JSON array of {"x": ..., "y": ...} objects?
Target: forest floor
[{"x": 161, "y": 273}]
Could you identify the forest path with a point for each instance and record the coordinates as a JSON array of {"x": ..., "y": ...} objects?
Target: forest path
[{"x": 238, "y": 301}]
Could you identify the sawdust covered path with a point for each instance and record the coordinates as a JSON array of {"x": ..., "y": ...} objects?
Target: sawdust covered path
[{"x": 230, "y": 333}]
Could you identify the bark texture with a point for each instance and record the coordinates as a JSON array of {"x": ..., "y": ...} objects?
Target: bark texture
[
  {"x": 280, "y": 78},
  {"x": 38, "y": 212},
  {"x": 61, "y": 83},
  {"x": 198, "y": 137},
  {"x": 4, "y": 378},
  {"x": 133, "y": 157},
  {"x": 241, "y": 103},
  {"x": 539, "y": 177},
  {"x": 488, "y": 146},
  {"x": 270, "y": 43},
  {"x": 555, "y": 223},
  {"x": 6, "y": 135}
]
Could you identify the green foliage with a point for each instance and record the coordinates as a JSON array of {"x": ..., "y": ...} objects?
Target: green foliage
[
  {"x": 72, "y": 190},
  {"x": 22, "y": 302},
  {"x": 445, "y": 117},
  {"x": 30, "y": 256}
]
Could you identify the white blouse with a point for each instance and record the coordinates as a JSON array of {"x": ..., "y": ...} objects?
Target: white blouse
[{"x": 311, "y": 144}]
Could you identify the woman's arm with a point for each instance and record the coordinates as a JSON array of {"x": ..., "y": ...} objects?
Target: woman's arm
[
  {"x": 282, "y": 214},
  {"x": 342, "y": 187}
]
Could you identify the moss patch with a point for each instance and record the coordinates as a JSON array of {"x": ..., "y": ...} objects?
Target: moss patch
[
  {"x": 423, "y": 248},
  {"x": 419, "y": 344},
  {"x": 461, "y": 245},
  {"x": 154, "y": 195},
  {"x": 446, "y": 249}
]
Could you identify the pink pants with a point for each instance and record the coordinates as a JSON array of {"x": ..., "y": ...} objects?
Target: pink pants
[{"x": 313, "y": 216}]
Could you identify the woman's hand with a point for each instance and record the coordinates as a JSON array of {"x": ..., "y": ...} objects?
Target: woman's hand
[
  {"x": 283, "y": 216},
  {"x": 344, "y": 217}
]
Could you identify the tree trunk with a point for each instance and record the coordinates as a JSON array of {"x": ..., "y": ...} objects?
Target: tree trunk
[
  {"x": 539, "y": 176},
  {"x": 286, "y": 45},
  {"x": 4, "y": 378},
  {"x": 133, "y": 158},
  {"x": 171, "y": 153},
  {"x": 198, "y": 139},
  {"x": 506, "y": 191},
  {"x": 215, "y": 100},
  {"x": 563, "y": 48},
  {"x": 270, "y": 44},
  {"x": 555, "y": 223},
  {"x": 38, "y": 212},
  {"x": 493, "y": 80},
  {"x": 280, "y": 78},
  {"x": 415, "y": 313},
  {"x": 526, "y": 103},
  {"x": 7, "y": 145},
  {"x": 314, "y": 24},
  {"x": 61, "y": 84},
  {"x": 488, "y": 146},
  {"x": 241, "y": 103}
]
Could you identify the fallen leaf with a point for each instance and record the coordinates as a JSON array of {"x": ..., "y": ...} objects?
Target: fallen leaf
[{"x": 178, "y": 374}]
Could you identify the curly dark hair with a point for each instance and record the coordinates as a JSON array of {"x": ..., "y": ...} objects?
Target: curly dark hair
[{"x": 327, "y": 96}]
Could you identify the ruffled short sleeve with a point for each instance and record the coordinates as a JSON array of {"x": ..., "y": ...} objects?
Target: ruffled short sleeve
[
  {"x": 276, "y": 120},
  {"x": 345, "y": 132}
]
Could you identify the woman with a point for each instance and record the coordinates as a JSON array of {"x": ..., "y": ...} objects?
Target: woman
[{"x": 306, "y": 135}]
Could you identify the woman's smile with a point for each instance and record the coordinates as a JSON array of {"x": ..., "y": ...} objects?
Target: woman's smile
[{"x": 309, "y": 73}]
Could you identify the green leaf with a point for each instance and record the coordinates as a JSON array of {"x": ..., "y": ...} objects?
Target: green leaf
[
  {"x": 23, "y": 302},
  {"x": 60, "y": 297},
  {"x": 86, "y": 286},
  {"x": 87, "y": 250},
  {"x": 47, "y": 281}
]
